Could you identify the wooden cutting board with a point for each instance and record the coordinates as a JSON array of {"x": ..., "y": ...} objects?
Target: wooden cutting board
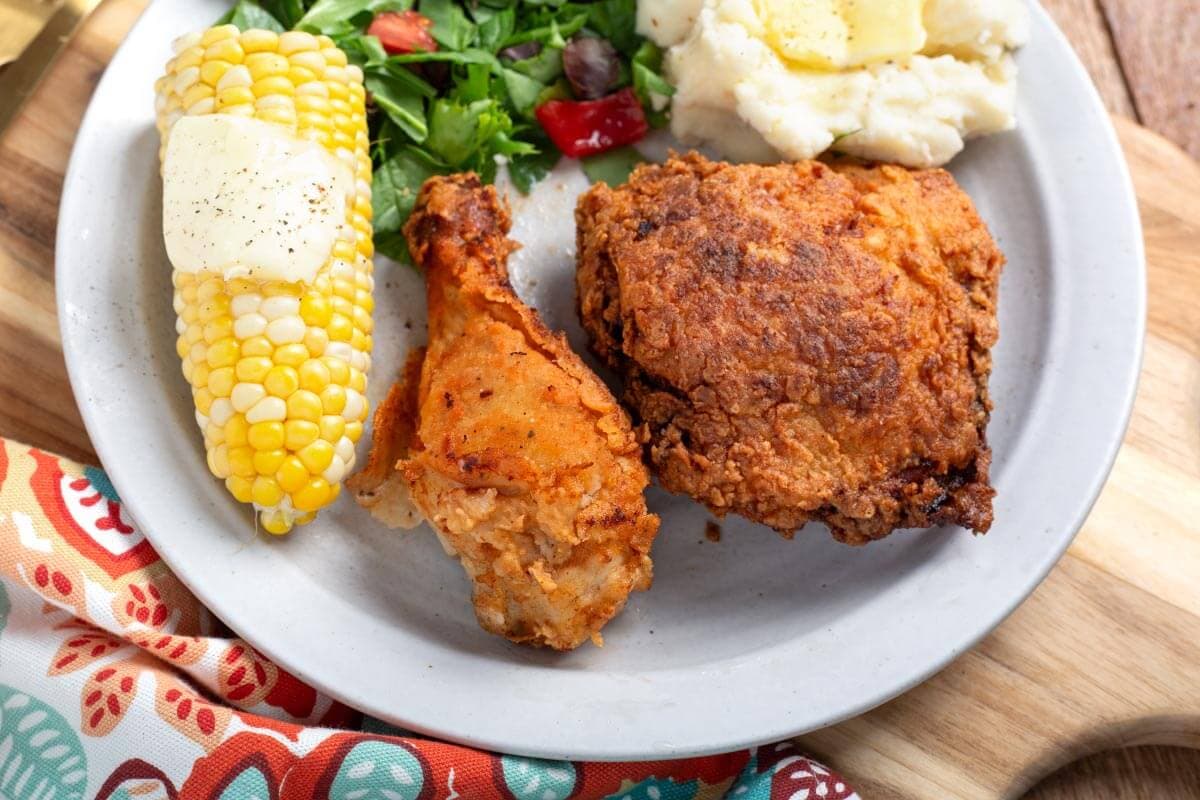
[{"x": 1105, "y": 653}]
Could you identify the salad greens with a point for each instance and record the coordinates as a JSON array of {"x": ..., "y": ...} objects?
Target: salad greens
[{"x": 469, "y": 104}]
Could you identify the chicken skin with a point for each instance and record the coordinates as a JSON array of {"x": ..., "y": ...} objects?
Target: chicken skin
[
  {"x": 800, "y": 342},
  {"x": 517, "y": 455}
]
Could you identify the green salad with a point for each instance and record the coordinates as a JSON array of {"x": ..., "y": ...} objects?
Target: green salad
[{"x": 467, "y": 86}]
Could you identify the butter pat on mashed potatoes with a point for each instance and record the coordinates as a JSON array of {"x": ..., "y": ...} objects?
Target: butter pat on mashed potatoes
[{"x": 903, "y": 81}]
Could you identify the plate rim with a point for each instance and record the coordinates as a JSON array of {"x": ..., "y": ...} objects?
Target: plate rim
[{"x": 717, "y": 741}]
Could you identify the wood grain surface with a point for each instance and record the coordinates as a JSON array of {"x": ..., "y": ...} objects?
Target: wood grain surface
[{"x": 1105, "y": 653}]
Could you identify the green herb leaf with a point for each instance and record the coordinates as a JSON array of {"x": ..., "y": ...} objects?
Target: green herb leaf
[
  {"x": 612, "y": 167},
  {"x": 494, "y": 26},
  {"x": 247, "y": 15},
  {"x": 363, "y": 50},
  {"x": 404, "y": 107},
  {"x": 451, "y": 28},
  {"x": 394, "y": 190},
  {"x": 545, "y": 67},
  {"x": 650, "y": 87},
  {"x": 523, "y": 91},
  {"x": 554, "y": 34},
  {"x": 475, "y": 83},
  {"x": 288, "y": 12},
  {"x": 457, "y": 130},
  {"x": 616, "y": 20},
  {"x": 337, "y": 18},
  {"x": 470, "y": 55},
  {"x": 526, "y": 170}
]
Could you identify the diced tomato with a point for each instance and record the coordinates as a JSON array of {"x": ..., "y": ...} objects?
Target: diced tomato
[
  {"x": 403, "y": 32},
  {"x": 585, "y": 127}
]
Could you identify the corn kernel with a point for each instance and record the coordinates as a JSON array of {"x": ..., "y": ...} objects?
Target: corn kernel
[
  {"x": 218, "y": 461},
  {"x": 314, "y": 376},
  {"x": 333, "y": 399},
  {"x": 217, "y": 33},
  {"x": 220, "y": 381},
  {"x": 225, "y": 50},
  {"x": 300, "y": 75},
  {"x": 246, "y": 395},
  {"x": 339, "y": 371},
  {"x": 241, "y": 461},
  {"x": 314, "y": 309},
  {"x": 299, "y": 433},
  {"x": 292, "y": 475},
  {"x": 234, "y": 96},
  {"x": 266, "y": 435},
  {"x": 217, "y": 329},
  {"x": 314, "y": 495},
  {"x": 200, "y": 374},
  {"x": 340, "y": 328},
  {"x": 362, "y": 319},
  {"x": 254, "y": 369},
  {"x": 257, "y": 346},
  {"x": 239, "y": 487},
  {"x": 311, "y": 59},
  {"x": 266, "y": 410},
  {"x": 265, "y": 65},
  {"x": 219, "y": 414},
  {"x": 316, "y": 456},
  {"x": 333, "y": 426},
  {"x": 316, "y": 341},
  {"x": 203, "y": 399},
  {"x": 353, "y": 431},
  {"x": 292, "y": 355},
  {"x": 358, "y": 381},
  {"x": 276, "y": 84},
  {"x": 303, "y": 404},
  {"x": 236, "y": 430},
  {"x": 203, "y": 91},
  {"x": 256, "y": 40},
  {"x": 279, "y": 288},
  {"x": 276, "y": 524},
  {"x": 212, "y": 437},
  {"x": 223, "y": 353},
  {"x": 281, "y": 380},
  {"x": 265, "y": 491},
  {"x": 297, "y": 42},
  {"x": 268, "y": 462}
]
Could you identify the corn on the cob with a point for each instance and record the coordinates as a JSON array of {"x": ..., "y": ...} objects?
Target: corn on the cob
[{"x": 278, "y": 369}]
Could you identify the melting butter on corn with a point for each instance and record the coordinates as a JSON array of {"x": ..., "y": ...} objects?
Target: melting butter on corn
[{"x": 275, "y": 344}]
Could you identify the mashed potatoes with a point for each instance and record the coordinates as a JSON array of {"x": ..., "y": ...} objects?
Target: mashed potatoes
[{"x": 761, "y": 80}]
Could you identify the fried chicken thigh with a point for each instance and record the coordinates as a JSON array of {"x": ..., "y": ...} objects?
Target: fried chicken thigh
[
  {"x": 517, "y": 455},
  {"x": 800, "y": 342}
]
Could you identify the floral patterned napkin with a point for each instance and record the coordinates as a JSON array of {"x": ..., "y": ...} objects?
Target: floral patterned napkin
[{"x": 115, "y": 683}]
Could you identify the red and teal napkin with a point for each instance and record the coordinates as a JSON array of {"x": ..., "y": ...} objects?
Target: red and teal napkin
[{"x": 117, "y": 684}]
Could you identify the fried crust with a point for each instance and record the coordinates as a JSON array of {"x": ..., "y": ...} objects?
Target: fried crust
[
  {"x": 800, "y": 342},
  {"x": 514, "y": 451}
]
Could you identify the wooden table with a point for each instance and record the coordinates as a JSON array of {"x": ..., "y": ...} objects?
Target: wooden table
[
  {"x": 1144, "y": 56},
  {"x": 1145, "y": 63}
]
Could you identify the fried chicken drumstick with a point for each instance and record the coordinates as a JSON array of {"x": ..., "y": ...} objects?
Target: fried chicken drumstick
[
  {"x": 517, "y": 455},
  {"x": 801, "y": 341}
]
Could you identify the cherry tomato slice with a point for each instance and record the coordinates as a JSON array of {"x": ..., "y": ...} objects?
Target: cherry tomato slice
[
  {"x": 403, "y": 32},
  {"x": 585, "y": 127}
]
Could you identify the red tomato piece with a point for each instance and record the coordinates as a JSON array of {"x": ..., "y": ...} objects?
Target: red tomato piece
[
  {"x": 585, "y": 127},
  {"x": 403, "y": 32}
]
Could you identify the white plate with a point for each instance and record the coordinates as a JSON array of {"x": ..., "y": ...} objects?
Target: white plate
[{"x": 741, "y": 642}]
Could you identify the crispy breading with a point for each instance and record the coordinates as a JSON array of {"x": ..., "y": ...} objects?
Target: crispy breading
[
  {"x": 802, "y": 341},
  {"x": 518, "y": 455}
]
